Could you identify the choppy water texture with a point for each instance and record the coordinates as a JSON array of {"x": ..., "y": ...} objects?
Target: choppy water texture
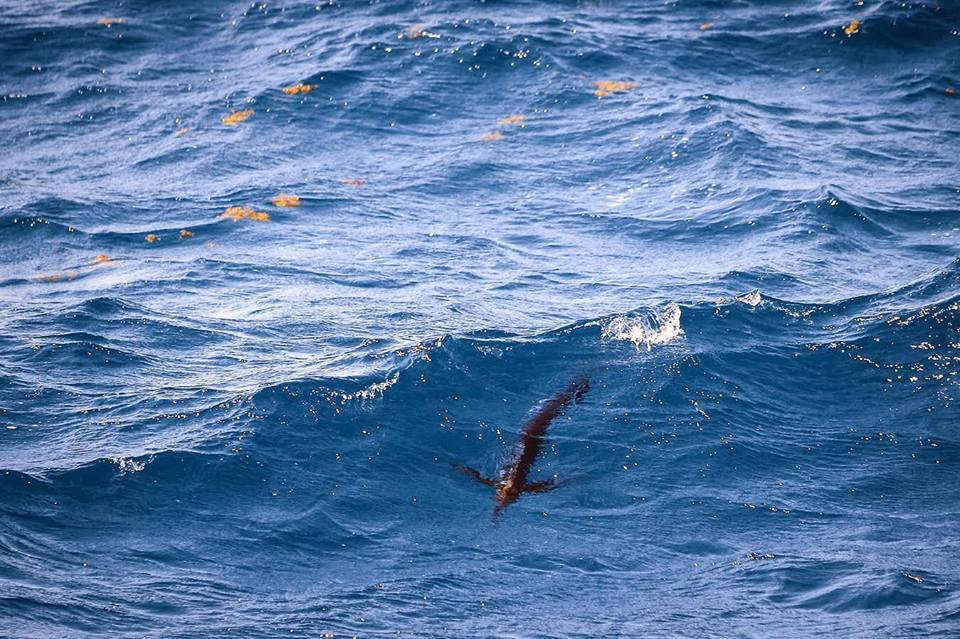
[{"x": 224, "y": 417}]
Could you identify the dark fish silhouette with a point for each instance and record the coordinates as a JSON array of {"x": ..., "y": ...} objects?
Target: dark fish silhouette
[{"x": 512, "y": 481}]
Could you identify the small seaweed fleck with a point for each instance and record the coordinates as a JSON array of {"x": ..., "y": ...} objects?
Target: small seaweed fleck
[
  {"x": 512, "y": 119},
  {"x": 57, "y": 277},
  {"x": 418, "y": 31},
  {"x": 299, "y": 87},
  {"x": 236, "y": 117},
  {"x": 237, "y": 213},
  {"x": 609, "y": 87},
  {"x": 286, "y": 200}
]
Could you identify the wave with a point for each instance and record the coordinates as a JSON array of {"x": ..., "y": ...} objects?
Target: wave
[
  {"x": 750, "y": 251},
  {"x": 661, "y": 328},
  {"x": 891, "y": 332}
]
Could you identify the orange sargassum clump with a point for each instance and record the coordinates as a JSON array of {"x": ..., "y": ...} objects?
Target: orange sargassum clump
[
  {"x": 237, "y": 213},
  {"x": 491, "y": 136},
  {"x": 151, "y": 238},
  {"x": 354, "y": 182},
  {"x": 299, "y": 87},
  {"x": 184, "y": 234},
  {"x": 512, "y": 119},
  {"x": 706, "y": 26},
  {"x": 609, "y": 87},
  {"x": 57, "y": 277},
  {"x": 236, "y": 117},
  {"x": 109, "y": 22},
  {"x": 103, "y": 258},
  {"x": 418, "y": 31},
  {"x": 852, "y": 28},
  {"x": 286, "y": 200}
]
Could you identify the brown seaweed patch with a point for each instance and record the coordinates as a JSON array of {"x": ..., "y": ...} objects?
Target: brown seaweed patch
[
  {"x": 237, "y": 213},
  {"x": 512, "y": 119},
  {"x": 236, "y": 117},
  {"x": 184, "y": 234},
  {"x": 951, "y": 91},
  {"x": 181, "y": 132},
  {"x": 706, "y": 26},
  {"x": 151, "y": 238},
  {"x": 491, "y": 136},
  {"x": 354, "y": 182},
  {"x": 286, "y": 200},
  {"x": 109, "y": 22},
  {"x": 852, "y": 28},
  {"x": 419, "y": 31},
  {"x": 103, "y": 258},
  {"x": 299, "y": 87},
  {"x": 609, "y": 87},
  {"x": 57, "y": 277}
]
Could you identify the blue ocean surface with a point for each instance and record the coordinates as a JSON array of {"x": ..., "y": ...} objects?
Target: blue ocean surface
[{"x": 224, "y": 414}]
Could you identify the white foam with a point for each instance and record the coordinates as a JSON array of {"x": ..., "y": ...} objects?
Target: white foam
[
  {"x": 662, "y": 327},
  {"x": 750, "y": 299},
  {"x": 128, "y": 465},
  {"x": 373, "y": 391}
]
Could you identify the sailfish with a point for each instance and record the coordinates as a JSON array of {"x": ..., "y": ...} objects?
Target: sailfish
[{"x": 512, "y": 480}]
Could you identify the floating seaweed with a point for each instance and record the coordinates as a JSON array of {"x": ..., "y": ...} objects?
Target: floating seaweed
[
  {"x": 237, "y": 213},
  {"x": 491, "y": 136},
  {"x": 236, "y": 117},
  {"x": 706, "y": 26},
  {"x": 951, "y": 91},
  {"x": 299, "y": 87},
  {"x": 512, "y": 119},
  {"x": 609, "y": 87},
  {"x": 57, "y": 277},
  {"x": 354, "y": 182},
  {"x": 181, "y": 132},
  {"x": 109, "y": 22},
  {"x": 418, "y": 31},
  {"x": 286, "y": 200},
  {"x": 103, "y": 258},
  {"x": 151, "y": 238},
  {"x": 184, "y": 234},
  {"x": 852, "y": 28}
]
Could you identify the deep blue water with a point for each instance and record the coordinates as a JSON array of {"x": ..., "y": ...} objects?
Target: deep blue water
[{"x": 751, "y": 248}]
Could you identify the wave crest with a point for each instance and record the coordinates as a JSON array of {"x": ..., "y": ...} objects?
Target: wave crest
[{"x": 660, "y": 327}]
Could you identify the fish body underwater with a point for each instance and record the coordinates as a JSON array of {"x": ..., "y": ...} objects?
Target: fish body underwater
[{"x": 512, "y": 478}]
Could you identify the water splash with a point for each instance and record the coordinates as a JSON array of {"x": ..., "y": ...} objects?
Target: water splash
[
  {"x": 753, "y": 298},
  {"x": 662, "y": 327}
]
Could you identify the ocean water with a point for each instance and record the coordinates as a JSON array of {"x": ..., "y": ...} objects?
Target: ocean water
[{"x": 739, "y": 219}]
